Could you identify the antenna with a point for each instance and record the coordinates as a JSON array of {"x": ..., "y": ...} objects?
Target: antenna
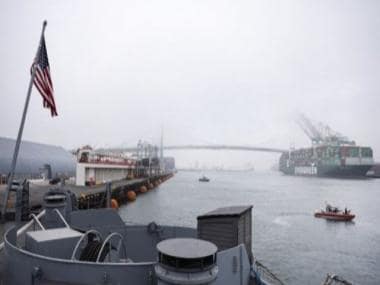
[{"x": 162, "y": 149}]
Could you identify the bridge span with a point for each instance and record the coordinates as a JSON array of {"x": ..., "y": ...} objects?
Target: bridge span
[
  {"x": 223, "y": 147},
  {"x": 206, "y": 147}
]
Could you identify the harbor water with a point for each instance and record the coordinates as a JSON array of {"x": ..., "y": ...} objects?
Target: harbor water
[{"x": 297, "y": 247}]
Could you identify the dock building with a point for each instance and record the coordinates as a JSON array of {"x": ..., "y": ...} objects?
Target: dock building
[
  {"x": 35, "y": 160},
  {"x": 97, "y": 168}
]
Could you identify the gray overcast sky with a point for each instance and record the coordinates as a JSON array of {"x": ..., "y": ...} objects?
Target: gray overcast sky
[{"x": 233, "y": 72}]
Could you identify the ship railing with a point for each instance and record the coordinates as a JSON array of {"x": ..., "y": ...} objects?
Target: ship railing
[
  {"x": 107, "y": 242},
  {"x": 332, "y": 279},
  {"x": 35, "y": 221},
  {"x": 266, "y": 275},
  {"x": 61, "y": 217},
  {"x": 83, "y": 237}
]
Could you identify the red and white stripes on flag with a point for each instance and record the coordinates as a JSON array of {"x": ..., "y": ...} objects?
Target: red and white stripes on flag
[{"x": 42, "y": 79}]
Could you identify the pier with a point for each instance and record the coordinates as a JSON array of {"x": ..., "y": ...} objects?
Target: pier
[
  {"x": 96, "y": 179},
  {"x": 121, "y": 191}
]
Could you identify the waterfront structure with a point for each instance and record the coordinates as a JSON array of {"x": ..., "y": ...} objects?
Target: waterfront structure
[
  {"x": 35, "y": 159},
  {"x": 168, "y": 164},
  {"x": 97, "y": 168}
]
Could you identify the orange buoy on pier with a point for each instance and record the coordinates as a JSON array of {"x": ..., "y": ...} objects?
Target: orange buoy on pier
[
  {"x": 143, "y": 189},
  {"x": 114, "y": 204},
  {"x": 131, "y": 195}
]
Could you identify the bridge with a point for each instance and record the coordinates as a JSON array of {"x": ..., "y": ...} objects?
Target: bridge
[
  {"x": 202, "y": 147},
  {"x": 223, "y": 147}
]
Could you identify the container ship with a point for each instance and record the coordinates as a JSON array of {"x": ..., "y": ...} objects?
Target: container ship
[{"x": 331, "y": 154}]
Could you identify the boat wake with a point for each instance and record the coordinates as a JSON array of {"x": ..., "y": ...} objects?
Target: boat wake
[
  {"x": 294, "y": 214},
  {"x": 281, "y": 221}
]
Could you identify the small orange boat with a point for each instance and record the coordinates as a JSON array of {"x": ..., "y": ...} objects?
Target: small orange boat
[{"x": 333, "y": 213}]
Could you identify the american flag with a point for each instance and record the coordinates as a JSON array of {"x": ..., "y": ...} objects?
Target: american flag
[{"x": 42, "y": 79}]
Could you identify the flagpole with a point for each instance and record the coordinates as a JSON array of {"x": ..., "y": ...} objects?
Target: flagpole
[{"x": 20, "y": 130}]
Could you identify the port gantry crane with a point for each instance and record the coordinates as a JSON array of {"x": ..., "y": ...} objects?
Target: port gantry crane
[{"x": 320, "y": 133}]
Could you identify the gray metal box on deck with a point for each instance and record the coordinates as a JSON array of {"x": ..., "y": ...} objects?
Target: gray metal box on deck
[
  {"x": 57, "y": 243},
  {"x": 227, "y": 227}
]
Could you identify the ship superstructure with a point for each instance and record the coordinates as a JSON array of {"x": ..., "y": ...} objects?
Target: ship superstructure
[{"x": 331, "y": 154}]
